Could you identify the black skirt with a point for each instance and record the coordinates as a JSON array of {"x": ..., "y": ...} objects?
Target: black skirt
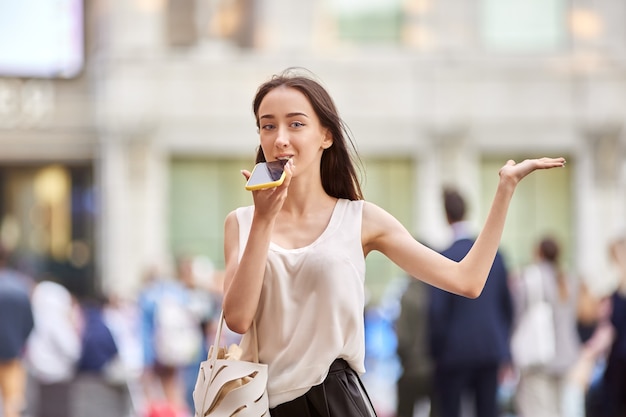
[{"x": 342, "y": 394}]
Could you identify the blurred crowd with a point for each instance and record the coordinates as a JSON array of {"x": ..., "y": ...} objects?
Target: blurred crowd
[
  {"x": 487, "y": 357},
  {"x": 64, "y": 354},
  {"x": 434, "y": 354}
]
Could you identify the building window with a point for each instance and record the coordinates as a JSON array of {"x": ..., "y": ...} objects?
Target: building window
[
  {"x": 524, "y": 25},
  {"x": 47, "y": 220},
  {"x": 203, "y": 191},
  {"x": 194, "y": 21},
  {"x": 398, "y": 200},
  {"x": 41, "y": 38},
  {"x": 368, "y": 21},
  {"x": 542, "y": 206},
  {"x": 181, "y": 22}
]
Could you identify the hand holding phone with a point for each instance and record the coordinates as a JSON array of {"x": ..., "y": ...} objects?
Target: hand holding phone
[{"x": 266, "y": 175}]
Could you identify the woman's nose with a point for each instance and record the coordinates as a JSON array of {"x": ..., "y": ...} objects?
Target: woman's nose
[{"x": 282, "y": 139}]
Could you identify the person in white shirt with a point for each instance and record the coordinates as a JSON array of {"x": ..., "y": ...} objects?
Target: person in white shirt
[
  {"x": 295, "y": 260},
  {"x": 54, "y": 347}
]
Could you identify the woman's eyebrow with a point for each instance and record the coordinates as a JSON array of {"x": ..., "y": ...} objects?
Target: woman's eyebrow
[{"x": 293, "y": 114}]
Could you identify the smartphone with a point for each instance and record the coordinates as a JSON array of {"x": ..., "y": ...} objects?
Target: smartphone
[{"x": 266, "y": 175}]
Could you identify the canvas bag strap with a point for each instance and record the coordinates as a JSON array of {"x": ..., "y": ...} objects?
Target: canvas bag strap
[{"x": 218, "y": 336}]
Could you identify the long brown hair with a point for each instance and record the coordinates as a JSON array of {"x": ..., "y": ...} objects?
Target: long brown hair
[
  {"x": 550, "y": 252},
  {"x": 337, "y": 167}
]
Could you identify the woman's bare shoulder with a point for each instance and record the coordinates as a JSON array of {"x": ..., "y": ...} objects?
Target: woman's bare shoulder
[
  {"x": 373, "y": 214},
  {"x": 378, "y": 224},
  {"x": 231, "y": 218}
]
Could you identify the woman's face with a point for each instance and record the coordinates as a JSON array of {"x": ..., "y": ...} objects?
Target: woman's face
[{"x": 290, "y": 129}]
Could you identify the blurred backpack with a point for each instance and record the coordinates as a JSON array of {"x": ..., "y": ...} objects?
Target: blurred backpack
[{"x": 177, "y": 332}]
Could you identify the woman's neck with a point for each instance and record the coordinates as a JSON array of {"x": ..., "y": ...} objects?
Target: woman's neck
[{"x": 306, "y": 197}]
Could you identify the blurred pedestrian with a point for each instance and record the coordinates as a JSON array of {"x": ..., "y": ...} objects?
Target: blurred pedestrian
[
  {"x": 204, "y": 305},
  {"x": 585, "y": 376},
  {"x": 121, "y": 316},
  {"x": 415, "y": 384},
  {"x": 469, "y": 338},
  {"x": 98, "y": 345},
  {"x": 543, "y": 390},
  {"x": 614, "y": 378},
  {"x": 171, "y": 339},
  {"x": 16, "y": 324},
  {"x": 295, "y": 260},
  {"x": 596, "y": 333},
  {"x": 54, "y": 347},
  {"x": 99, "y": 353}
]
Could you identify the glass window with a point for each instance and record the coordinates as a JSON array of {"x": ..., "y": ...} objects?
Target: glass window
[
  {"x": 181, "y": 22},
  {"x": 541, "y": 206},
  {"x": 47, "y": 220},
  {"x": 368, "y": 21},
  {"x": 204, "y": 191},
  {"x": 41, "y": 38},
  {"x": 524, "y": 25},
  {"x": 226, "y": 20},
  {"x": 389, "y": 184}
]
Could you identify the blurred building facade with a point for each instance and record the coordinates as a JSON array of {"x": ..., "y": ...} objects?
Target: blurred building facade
[{"x": 144, "y": 146}]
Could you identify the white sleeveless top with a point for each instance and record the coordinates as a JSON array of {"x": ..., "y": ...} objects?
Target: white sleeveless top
[{"x": 311, "y": 307}]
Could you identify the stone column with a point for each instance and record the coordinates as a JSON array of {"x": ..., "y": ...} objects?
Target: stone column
[
  {"x": 599, "y": 198},
  {"x": 132, "y": 178},
  {"x": 446, "y": 159},
  {"x": 430, "y": 223},
  {"x": 112, "y": 242}
]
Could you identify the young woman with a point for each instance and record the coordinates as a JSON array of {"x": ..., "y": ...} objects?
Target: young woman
[
  {"x": 546, "y": 390},
  {"x": 295, "y": 260}
]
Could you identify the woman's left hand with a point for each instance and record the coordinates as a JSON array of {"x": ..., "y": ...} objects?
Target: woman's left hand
[{"x": 513, "y": 172}]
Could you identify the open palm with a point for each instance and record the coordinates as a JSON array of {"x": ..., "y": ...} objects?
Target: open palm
[{"x": 515, "y": 172}]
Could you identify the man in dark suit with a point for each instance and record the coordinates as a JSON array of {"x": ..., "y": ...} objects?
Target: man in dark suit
[{"x": 469, "y": 338}]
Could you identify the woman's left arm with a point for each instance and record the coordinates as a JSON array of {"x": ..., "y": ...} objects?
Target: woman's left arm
[{"x": 384, "y": 233}]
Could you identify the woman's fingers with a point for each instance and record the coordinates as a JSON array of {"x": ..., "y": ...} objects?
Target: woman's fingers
[
  {"x": 516, "y": 171},
  {"x": 545, "y": 162},
  {"x": 289, "y": 167}
]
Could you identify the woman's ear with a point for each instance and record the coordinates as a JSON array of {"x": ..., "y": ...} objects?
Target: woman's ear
[{"x": 327, "y": 140}]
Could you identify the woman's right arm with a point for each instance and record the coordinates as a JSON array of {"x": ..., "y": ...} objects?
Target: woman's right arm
[{"x": 243, "y": 280}]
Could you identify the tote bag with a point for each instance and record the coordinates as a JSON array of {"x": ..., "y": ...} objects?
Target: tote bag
[
  {"x": 533, "y": 340},
  {"x": 227, "y": 386}
]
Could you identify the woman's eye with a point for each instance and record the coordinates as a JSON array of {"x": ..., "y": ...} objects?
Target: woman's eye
[
  {"x": 297, "y": 124},
  {"x": 267, "y": 127}
]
